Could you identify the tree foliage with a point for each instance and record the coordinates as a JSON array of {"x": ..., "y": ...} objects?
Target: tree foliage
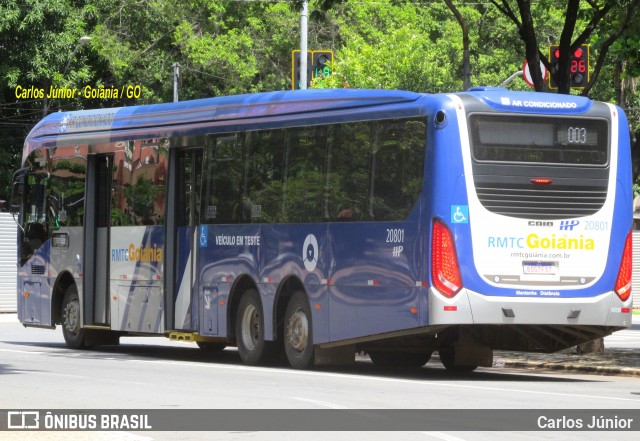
[
  {"x": 604, "y": 20},
  {"x": 36, "y": 40},
  {"x": 228, "y": 47}
]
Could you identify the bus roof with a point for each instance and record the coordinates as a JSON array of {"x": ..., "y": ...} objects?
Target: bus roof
[
  {"x": 265, "y": 104},
  {"x": 530, "y": 102}
]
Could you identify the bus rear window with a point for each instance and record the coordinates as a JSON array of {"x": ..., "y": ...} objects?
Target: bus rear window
[{"x": 534, "y": 139}]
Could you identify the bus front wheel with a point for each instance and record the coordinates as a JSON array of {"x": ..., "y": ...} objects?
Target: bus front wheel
[
  {"x": 71, "y": 329},
  {"x": 252, "y": 347},
  {"x": 298, "y": 338}
]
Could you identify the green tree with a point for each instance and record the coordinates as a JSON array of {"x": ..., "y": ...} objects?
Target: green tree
[
  {"x": 222, "y": 47},
  {"x": 236, "y": 47},
  {"x": 37, "y": 41},
  {"x": 603, "y": 21}
]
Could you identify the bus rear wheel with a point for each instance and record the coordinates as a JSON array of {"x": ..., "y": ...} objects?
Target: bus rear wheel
[
  {"x": 298, "y": 337},
  {"x": 252, "y": 347},
  {"x": 448, "y": 356},
  {"x": 74, "y": 335}
]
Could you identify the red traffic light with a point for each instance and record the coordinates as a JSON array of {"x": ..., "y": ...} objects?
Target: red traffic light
[{"x": 578, "y": 65}]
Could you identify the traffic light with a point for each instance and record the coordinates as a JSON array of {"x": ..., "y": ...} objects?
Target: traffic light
[
  {"x": 579, "y": 66},
  {"x": 321, "y": 61},
  {"x": 317, "y": 66},
  {"x": 295, "y": 69}
]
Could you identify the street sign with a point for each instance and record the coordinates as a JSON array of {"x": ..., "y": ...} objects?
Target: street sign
[{"x": 527, "y": 73}]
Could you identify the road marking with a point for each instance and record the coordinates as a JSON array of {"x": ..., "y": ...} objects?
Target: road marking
[
  {"x": 352, "y": 377},
  {"x": 22, "y": 352},
  {"x": 444, "y": 385},
  {"x": 444, "y": 436},
  {"x": 85, "y": 377},
  {"x": 321, "y": 403}
]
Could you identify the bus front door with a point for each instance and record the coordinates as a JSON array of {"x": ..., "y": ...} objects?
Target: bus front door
[
  {"x": 183, "y": 208},
  {"x": 96, "y": 239}
]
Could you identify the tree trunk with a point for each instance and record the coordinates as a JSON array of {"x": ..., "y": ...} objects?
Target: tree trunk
[
  {"x": 528, "y": 35},
  {"x": 466, "y": 54}
]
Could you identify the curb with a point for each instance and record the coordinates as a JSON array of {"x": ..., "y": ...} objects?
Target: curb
[{"x": 570, "y": 367}]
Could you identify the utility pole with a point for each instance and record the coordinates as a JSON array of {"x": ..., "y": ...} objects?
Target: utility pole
[
  {"x": 176, "y": 75},
  {"x": 303, "y": 44}
]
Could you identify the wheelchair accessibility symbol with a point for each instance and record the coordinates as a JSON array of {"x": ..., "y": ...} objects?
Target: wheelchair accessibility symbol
[
  {"x": 459, "y": 214},
  {"x": 204, "y": 236}
]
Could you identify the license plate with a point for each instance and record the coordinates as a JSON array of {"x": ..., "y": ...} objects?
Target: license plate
[{"x": 540, "y": 268}]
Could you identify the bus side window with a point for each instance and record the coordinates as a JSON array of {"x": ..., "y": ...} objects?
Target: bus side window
[
  {"x": 35, "y": 220},
  {"x": 222, "y": 204},
  {"x": 350, "y": 172},
  {"x": 306, "y": 188},
  {"x": 398, "y": 169},
  {"x": 67, "y": 187},
  {"x": 264, "y": 164}
]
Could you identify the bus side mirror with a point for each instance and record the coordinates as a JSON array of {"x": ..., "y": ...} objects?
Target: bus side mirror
[
  {"x": 15, "y": 202},
  {"x": 17, "y": 191}
]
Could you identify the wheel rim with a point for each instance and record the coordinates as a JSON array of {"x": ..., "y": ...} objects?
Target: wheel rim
[
  {"x": 72, "y": 316},
  {"x": 298, "y": 331},
  {"x": 251, "y": 327}
]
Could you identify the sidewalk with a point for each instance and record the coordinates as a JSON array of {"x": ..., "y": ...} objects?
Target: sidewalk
[
  {"x": 613, "y": 362},
  {"x": 8, "y": 317}
]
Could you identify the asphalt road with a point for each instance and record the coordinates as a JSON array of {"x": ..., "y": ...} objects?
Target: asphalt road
[{"x": 38, "y": 372}]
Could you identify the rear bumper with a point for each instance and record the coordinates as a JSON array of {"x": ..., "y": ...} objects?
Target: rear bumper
[{"x": 469, "y": 307}]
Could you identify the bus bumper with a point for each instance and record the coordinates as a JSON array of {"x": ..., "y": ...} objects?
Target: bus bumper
[{"x": 469, "y": 307}]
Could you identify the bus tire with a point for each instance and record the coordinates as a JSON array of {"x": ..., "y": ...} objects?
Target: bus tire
[
  {"x": 73, "y": 334},
  {"x": 252, "y": 347},
  {"x": 399, "y": 360},
  {"x": 447, "y": 358},
  {"x": 298, "y": 336}
]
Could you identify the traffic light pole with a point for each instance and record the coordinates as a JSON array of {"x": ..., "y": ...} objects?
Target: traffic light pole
[
  {"x": 303, "y": 44},
  {"x": 176, "y": 75}
]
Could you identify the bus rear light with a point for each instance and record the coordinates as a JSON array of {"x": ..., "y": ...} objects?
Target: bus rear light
[
  {"x": 445, "y": 271},
  {"x": 623, "y": 282}
]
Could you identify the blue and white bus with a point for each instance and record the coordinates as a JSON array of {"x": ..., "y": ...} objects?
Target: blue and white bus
[{"x": 322, "y": 223}]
